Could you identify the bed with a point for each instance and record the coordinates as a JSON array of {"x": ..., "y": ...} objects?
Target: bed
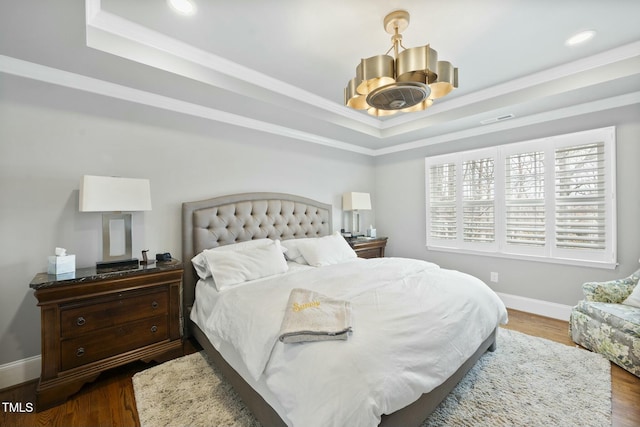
[{"x": 229, "y": 220}]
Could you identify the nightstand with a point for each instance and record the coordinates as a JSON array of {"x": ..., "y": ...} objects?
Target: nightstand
[
  {"x": 368, "y": 247},
  {"x": 93, "y": 321}
]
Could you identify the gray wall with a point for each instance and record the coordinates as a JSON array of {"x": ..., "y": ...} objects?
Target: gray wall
[
  {"x": 400, "y": 211},
  {"x": 51, "y": 136}
]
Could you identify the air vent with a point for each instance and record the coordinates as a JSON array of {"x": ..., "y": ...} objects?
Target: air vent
[
  {"x": 497, "y": 119},
  {"x": 398, "y": 96}
]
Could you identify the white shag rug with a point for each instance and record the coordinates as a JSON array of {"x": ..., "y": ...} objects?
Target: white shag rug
[{"x": 527, "y": 381}]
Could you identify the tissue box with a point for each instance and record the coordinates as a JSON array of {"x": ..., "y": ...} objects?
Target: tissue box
[{"x": 62, "y": 264}]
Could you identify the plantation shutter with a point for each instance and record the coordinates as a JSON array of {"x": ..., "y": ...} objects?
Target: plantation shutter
[
  {"x": 580, "y": 197},
  {"x": 478, "y": 211},
  {"x": 524, "y": 199},
  {"x": 442, "y": 197},
  {"x": 551, "y": 199}
]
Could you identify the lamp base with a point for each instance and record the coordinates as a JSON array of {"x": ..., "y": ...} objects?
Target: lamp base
[{"x": 122, "y": 264}]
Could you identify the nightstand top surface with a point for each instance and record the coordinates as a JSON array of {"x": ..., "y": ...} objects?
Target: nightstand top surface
[
  {"x": 364, "y": 239},
  {"x": 89, "y": 274}
]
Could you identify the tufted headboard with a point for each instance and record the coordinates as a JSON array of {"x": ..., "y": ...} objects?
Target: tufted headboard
[{"x": 239, "y": 217}]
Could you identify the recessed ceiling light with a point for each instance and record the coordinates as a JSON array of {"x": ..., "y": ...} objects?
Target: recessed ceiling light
[
  {"x": 580, "y": 37},
  {"x": 183, "y": 7}
]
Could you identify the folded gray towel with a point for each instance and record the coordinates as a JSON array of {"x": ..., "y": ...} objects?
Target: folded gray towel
[{"x": 311, "y": 316}]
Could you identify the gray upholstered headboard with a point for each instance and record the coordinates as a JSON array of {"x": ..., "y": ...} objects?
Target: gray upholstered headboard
[{"x": 239, "y": 217}]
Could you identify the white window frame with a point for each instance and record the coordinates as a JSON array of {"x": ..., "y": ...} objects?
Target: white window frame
[{"x": 548, "y": 252}]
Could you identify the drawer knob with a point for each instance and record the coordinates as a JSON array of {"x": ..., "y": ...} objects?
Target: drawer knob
[
  {"x": 154, "y": 328},
  {"x": 80, "y": 321},
  {"x": 80, "y": 352},
  {"x": 154, "y": 304}
]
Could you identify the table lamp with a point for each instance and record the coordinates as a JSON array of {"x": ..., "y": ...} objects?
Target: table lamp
[
  {"x": 115, "y": 197},
  {"x": 355, "y": 202}
]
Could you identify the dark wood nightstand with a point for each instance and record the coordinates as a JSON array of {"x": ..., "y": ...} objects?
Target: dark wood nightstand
[
  {"x": 93, "y": 321},
  {"x": 368, "y": 247}
]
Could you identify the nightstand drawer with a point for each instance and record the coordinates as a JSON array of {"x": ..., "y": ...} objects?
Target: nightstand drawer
[
  {"x": 121, "y": 308},
  {"x": 369, "y": 253},
  {"x": 112, "y": 341},
  {"x": 368, "y": 247}
]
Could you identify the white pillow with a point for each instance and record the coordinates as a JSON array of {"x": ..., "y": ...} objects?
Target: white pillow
[
  {"x": 232, "y": 267},
  {"x": 326, "y": 250},
  {"x": 634, "y": 298},
  {"x": 201, "y": 265},
  {"x": 293, "y": 251}
]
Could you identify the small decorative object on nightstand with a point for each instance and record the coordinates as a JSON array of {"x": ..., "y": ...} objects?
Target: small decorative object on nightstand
[
  {"x": 368, "y": 247},
  {"x": 145, "y": 259},
  {"x": 95, "y": 321}
]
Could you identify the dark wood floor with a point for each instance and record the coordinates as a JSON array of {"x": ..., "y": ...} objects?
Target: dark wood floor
[{"x": 109, "y": 401}]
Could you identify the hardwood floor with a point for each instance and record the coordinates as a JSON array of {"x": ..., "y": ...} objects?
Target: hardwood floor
[{"x": 109, "y": 401}]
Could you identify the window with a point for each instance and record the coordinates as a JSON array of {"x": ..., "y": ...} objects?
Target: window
[
  {"x": 551, "y": 199},
  {"x": 478, "y": 204},
  {"x": 580, "y": 197},
  {"x": 443, "y": 201},
  {"x": 524, "y": 199}
]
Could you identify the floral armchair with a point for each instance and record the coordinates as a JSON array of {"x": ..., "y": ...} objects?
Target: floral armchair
[{"x": 606, "y": 323}]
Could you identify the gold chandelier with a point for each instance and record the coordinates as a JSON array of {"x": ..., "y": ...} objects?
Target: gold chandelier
[{"x": 407, "y": 82}]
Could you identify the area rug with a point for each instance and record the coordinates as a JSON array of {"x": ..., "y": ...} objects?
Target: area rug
[{"x": 527, "y": 381}]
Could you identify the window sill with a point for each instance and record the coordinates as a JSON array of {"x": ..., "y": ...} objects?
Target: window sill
[{"x": 562, "y": 261}]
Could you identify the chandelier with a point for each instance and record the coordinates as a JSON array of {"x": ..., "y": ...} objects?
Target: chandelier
[{"x": 407, "y": 82}]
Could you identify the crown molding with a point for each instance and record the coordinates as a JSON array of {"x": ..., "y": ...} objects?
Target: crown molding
[
  {"x": 105, "y": 29},
  {"x": 101, "y": 21},
  {"x": 628, "y": 51},
  {"x": 560, "y": 113},
  {"x": 71, "y": 80}
]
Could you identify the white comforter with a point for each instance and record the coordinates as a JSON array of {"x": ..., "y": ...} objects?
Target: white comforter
[{"x": 414, "y": 324}]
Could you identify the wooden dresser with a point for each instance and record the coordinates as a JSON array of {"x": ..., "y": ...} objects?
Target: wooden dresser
[
  {"x": 368, "y": 247},
  {"x": 93, "y": 321}
]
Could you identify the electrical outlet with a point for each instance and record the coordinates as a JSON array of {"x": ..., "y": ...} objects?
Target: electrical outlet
[{"x": 494, "y": 277}]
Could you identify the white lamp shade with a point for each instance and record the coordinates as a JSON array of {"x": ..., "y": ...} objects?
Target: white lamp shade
[
  {"x": 356, "y": 201},
  {"x": 114, "y": 194}
]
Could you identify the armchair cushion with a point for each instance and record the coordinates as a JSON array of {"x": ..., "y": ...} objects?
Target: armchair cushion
[
  {"x": 634, "y": 298},
  {"x": 602, "y": 337},
  {"x": 622, "y": 317}
]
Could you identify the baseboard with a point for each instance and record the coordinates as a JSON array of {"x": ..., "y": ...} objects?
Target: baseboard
[
  {"x": 536, "y": 306},
  {"x": 20, "y": 371}
]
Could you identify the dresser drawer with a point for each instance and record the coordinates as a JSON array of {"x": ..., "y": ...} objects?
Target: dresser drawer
[
  {"x": 112, "y": 341},
  {"x": 118, "y": 309}
]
